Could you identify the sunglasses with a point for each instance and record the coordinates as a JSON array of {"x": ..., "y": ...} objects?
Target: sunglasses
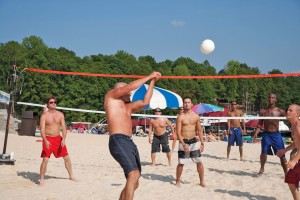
[{"x": 52, "y": 102}]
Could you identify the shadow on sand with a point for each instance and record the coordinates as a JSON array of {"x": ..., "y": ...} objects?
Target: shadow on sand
[
  {"x": 170, "y": 179},
  {"x": 237, "y": 193},
  {"x": 34, "y": 177}
]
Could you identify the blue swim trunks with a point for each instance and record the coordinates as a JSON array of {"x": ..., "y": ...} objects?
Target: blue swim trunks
[
  {"x": 125, "y": 152},
  {"x": 235, "y": 136},
  {"x": 271, "y": 140}
]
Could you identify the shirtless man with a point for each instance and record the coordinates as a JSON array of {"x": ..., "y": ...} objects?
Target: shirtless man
[
  {"x": 50, "y": 123},
  {"x": 234, "y": 129},
  {"x": 187, "y": 125},
  {"x": 160, "y": 136},
  {"x": 271, "y": 137},
  {"x": 118, "y": 113},
  {"x": 292, "y": 177}
]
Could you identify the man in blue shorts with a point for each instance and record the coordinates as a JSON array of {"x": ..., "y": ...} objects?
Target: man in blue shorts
[
  {"x": 271, "y": 141},
  {"x": 118, "y": 113},
  {"x": 234, "y": 129}
]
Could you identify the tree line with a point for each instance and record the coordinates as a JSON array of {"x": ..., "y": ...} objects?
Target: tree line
[{"x": 88, "y": 92}]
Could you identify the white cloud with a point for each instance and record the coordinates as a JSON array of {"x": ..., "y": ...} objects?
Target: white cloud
[{"x": 178, "y": 23}]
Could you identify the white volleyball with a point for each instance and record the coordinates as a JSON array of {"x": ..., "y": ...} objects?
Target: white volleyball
[{"x": 207, "y": 46}]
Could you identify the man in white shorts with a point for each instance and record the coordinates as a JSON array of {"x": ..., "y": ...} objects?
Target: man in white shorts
[{"x": 189, "y": 151}]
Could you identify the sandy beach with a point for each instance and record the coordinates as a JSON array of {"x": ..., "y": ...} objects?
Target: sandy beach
[{"x": 102, "y": 178}]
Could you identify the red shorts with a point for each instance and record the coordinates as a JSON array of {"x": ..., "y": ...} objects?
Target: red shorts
[
  {"x": 293, "y": 175},
  {"x": 54, "y": 147}
]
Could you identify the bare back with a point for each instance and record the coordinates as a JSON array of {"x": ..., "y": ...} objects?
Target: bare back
[{"x": 118, "y": 115}]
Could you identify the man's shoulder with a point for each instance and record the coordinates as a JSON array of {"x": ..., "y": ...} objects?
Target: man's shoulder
[
  {"x": 59, "y": 113},
  {"x": 193, "y": 114}
]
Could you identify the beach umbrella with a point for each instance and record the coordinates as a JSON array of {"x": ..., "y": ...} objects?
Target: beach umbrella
[
  {"x": 218, "y": 113},
  {"x": 161, "y": 98},
  {"x": 252, "y": 123},
  {"x": 202, "y": 108},
  {"x": 134, "y": 122},
  {"x": 144, "y": 121}
]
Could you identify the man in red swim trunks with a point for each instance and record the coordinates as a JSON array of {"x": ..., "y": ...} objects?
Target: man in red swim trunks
[
  {"x": 292, "y": 177},
  {"x": 50, "y": 123}
]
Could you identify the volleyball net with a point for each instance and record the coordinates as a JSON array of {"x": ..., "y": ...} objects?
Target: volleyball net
[{"x": 151, "y": 116}]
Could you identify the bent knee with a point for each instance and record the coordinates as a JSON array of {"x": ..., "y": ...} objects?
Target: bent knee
[{"x": 134, "y": 174}]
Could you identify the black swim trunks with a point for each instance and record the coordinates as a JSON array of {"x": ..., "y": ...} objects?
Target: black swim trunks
[
  {"x": 162, "y": 140},
  {"x": 125, "y": 152}
]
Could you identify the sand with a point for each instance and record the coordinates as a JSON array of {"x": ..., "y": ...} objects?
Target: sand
[{"x": 102, "y": 178}]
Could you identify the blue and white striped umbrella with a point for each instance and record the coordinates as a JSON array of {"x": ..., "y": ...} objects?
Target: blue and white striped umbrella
[{"x": 161, "y": 98}]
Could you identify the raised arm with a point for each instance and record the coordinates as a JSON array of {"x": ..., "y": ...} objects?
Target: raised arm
[
  {"x": 138, "y": 105},
  {"x": 126, "y": 89}
]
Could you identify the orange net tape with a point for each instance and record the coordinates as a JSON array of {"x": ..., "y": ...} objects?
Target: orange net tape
[{"x": 166, "y": 77}]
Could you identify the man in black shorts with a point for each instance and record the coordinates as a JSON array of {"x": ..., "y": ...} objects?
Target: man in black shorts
[
  {"x": 160, "y": 136},
  {"x": 118, "y": 113}
]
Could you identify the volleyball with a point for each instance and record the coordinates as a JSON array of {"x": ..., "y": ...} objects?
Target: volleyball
[{"x": 207, "y": 46}]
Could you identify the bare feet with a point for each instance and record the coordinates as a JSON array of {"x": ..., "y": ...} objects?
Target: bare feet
[
  {"x": 202, "y": 184},
  {"x": 261, "y": 171},
  {"x": 227, "y": 159},
  {"x": 241, "y": 159},
  {"x": 153, "y": 165},
  {"x": 178, "y": 184},
  {"x": 42, "y": 183},
  {"x": 74, "y": 179}
]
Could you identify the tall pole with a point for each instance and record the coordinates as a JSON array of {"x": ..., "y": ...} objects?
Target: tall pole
[{"x": 14, "y": 76}]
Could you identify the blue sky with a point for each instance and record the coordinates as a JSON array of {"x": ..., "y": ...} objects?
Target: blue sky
[{"x": 260, "y": 33}]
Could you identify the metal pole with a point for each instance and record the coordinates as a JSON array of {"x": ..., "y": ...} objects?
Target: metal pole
[
  {"x": 7, "y": 122},
  {"x": 14, "y": 76}
]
